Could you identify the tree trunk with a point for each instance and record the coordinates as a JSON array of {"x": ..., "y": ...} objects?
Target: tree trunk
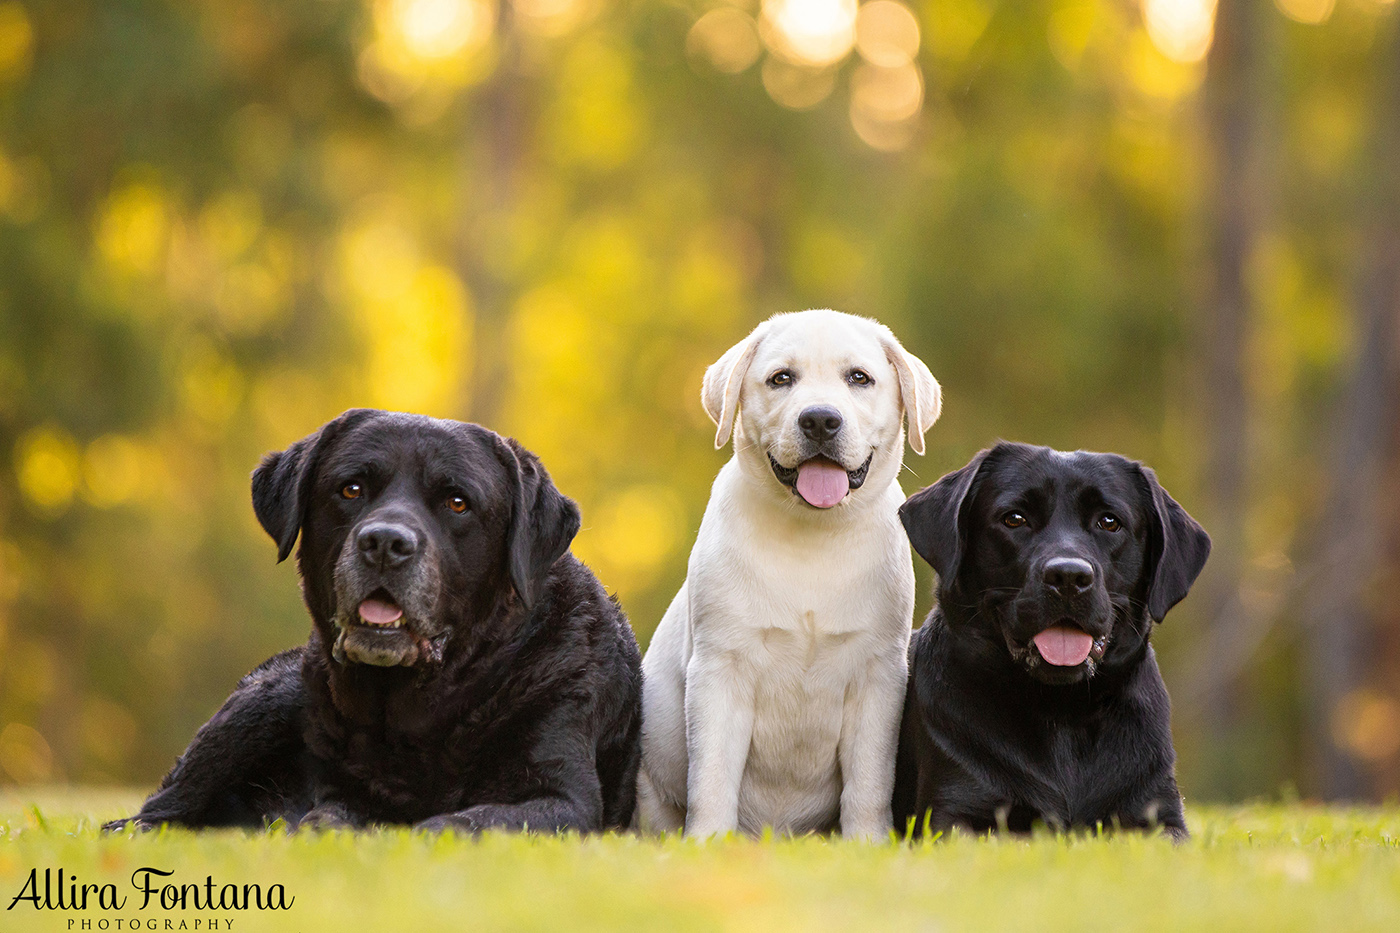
[
  {"x": 493, "y": 142},
  {"x": 1352, "y": 534},
  {"x": 1232, "y": 105}
]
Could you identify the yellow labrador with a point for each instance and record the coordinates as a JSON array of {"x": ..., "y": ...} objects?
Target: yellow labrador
[{"x": 773, "y": 687}]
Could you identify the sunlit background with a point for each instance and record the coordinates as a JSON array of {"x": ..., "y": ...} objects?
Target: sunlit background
[{"x": 1169, "y": 228}]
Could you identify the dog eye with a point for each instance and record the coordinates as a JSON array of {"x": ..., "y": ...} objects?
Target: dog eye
[
  {"x": 352, "y": 491},
  {"x": 1013, "y": 519},
  {"x": 859, "y": 377},
  {"x": 457, "y": 504},
  {"x": 779, "y": 379},
  {"x": 1109, "y": 522}
]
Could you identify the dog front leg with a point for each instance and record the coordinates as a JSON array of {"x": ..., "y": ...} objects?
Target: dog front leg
[
  {"x": 244, "y": 766},
  {"x": 560, "y": 786},
  {"x": 869, "y": 740},
  {"x": 719, "y": 700}
]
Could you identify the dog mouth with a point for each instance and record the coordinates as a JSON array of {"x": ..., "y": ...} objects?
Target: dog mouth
[
  {"x": 820, "y": 482},
  {"x": 1062, "y": 648},
  {"x": 381, "y": 634}
]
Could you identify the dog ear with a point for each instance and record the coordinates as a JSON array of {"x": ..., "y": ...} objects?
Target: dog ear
[
  {"x": 724, "y": 380},
  {"x": 1177, "y": 547},
  {"x": 543, "y": 523},
  {"x": 933, "y": 520},
  {"x": 918, "y": 391},
  {"x": 282, "y": 482}
]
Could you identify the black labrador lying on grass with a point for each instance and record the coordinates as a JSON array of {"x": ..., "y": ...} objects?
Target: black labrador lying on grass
[
  {"x": 1034, "y": 694},
  {"x": 464, "y": 670}
]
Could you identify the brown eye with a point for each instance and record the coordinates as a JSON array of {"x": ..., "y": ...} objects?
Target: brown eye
[
  {"x": 352, "y": 491},
  {"x": 457, "y": 504},
  {"x": 1109, "y": 522},
  {"x": 859, "y": 377},
  {"x": 779, "y": 379},
  {"x": 1013, "y": 519}
]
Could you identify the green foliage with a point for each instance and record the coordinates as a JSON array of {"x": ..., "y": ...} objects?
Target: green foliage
[{"x": 1261, "y": 867}]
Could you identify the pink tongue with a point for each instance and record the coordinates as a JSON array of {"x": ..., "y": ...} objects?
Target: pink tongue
[
  {"x": 374, "y": 612},
  {"x": 822, "y": 483},
  {"x": 1063, "y": 646}
]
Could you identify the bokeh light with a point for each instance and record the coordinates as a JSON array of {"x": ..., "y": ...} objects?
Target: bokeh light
[
  {"x": 1311, "y": 12},
  {"x": 887, "y": 33},
  {"x": 1181, "y": 29},
  {"x": 809, "y": 32},
  {"x": 436, "y": 29},
  {"x": 797, "y": 87},
  {"x": 884, "y": 102},
  {"x": 725, "y": 37}
]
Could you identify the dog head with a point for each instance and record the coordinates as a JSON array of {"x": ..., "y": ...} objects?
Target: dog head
[
  {"x": 1062, "y": 560},
  {"x": 816, "y": 401},
  {"x": 411, "y": 528}
]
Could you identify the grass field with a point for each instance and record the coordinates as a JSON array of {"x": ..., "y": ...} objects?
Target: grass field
[{"x": 1258, "y": 867}]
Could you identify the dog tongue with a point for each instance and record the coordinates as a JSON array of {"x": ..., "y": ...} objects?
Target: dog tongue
[
  {"x": 1063, "y": 646},
  {"x": 822, "y": 483},
  {"x": 375, "y": 612}
]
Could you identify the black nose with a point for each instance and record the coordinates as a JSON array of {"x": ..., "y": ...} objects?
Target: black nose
[
  {"x": 1068, "y": 576},
  {"x": 385, "y": 546},
  {"x": 820, "y": 422}
]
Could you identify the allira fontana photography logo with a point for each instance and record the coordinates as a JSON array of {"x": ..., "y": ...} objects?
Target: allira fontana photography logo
[{"x": 152, "y": 890}]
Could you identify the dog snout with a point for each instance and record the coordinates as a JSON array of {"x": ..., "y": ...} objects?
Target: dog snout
[
  {"x": 386, "y": 545},
  {"x": 820, "y": 422},
  {"x": 1068, "y": 576}
]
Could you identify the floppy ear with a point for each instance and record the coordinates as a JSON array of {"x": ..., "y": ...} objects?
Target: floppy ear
[
  {"x": 542, "y": 524},
  {"x": 918, "y": 390},
  {"x": 1177, "y": 547},
  {"x": 282, "y": 482},
  {"x": 933, "y": 520},
  {"x": 719, "y": 392}
]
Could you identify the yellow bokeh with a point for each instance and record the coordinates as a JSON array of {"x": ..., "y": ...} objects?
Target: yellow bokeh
[
  {"x": 133, "y": 228},
  {"x": 25, "y": 755},
  {"x": 597, "y": 120},
  {"x": 1311, "y": 12},
  {"x": 954, "y": 26},
  {"x": 427, "y": 49},
  {"x": 417, "y": 343},
  {"x": 211, "y": 384},
  {"x": 553, "y": 18},
  {"x": 115, "y": 470},
  {"x": 231, "y": 223},
  {"x": 16, "y": 41},
  {"x": 1157, "y": 74},
  {"x": 48, "y": 468},
  {"x": 630, "y": 536}
]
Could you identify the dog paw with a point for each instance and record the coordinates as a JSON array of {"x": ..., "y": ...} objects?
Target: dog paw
[
  {"x": 326, "y": 817},
  {"x": 449, "y": 822},
  {"x": 132, "y": 822}
]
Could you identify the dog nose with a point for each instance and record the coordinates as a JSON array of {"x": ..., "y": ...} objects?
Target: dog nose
[
  {"x": 385, "y": 546},
  {"x": 1068, "y": 576},
  {"x": 820, "y": 422}
]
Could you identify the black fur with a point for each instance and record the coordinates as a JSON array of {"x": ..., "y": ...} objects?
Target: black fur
[
  {"x": 511, "y": 694},
  {"x": 993, "y": 735}
]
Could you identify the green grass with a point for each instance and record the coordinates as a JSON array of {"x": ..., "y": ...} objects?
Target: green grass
[{"x": 1257, "y": 867}]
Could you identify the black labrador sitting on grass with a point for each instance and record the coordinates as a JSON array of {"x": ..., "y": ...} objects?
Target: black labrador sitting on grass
[
  {"x": 1034, "y": 694},
  {"x": 464, "y": 670}
]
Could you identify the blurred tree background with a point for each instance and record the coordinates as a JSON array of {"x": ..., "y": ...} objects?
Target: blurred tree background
[{"x": 1169, "y": 228}]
